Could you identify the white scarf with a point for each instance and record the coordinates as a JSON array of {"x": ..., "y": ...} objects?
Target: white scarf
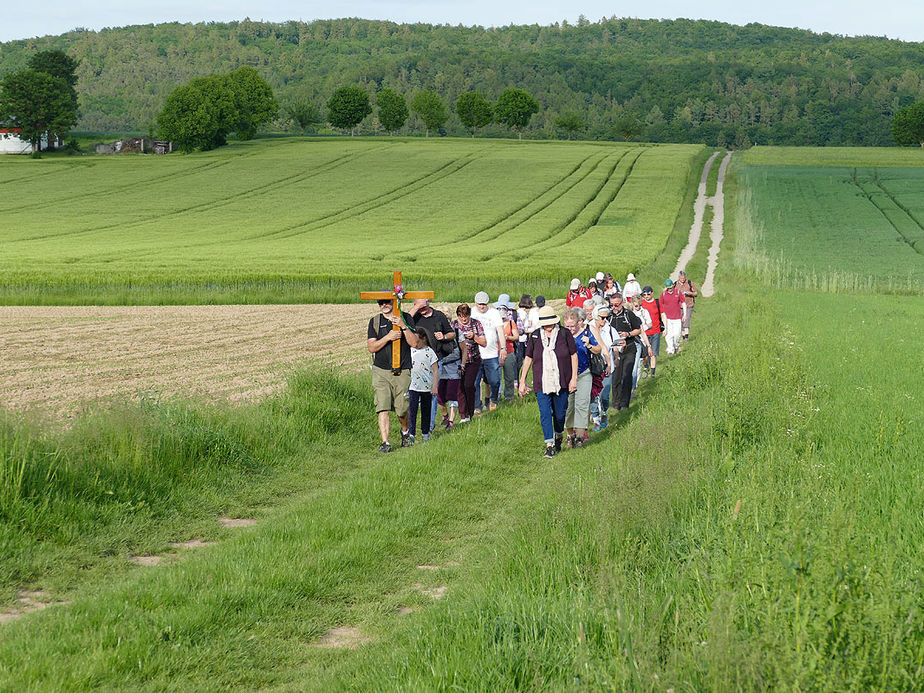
[{"x": 551, "y": 378}]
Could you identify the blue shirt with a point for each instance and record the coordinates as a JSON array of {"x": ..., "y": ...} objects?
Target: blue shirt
[{"x": 582, "y": 352}]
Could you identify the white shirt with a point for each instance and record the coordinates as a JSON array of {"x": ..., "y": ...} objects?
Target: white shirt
[
  {"x": 422, "y": 361},
  {"x": 490, "y": 320},
  {"x": 631, "y": 289},
  {"x": 645, "y": 317}
]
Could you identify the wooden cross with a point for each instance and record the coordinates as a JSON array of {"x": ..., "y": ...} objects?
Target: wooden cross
[{"x": 396, "y": 295}]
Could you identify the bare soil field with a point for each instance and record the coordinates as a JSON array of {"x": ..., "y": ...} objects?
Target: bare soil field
[{"x": 57, "y": 360}]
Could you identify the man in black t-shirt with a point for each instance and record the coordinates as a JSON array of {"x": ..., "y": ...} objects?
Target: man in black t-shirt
[
  {"x": 390, "y": 386},
  {"x": 440, "y": 336},
  {"x": 629, "y": 326}
]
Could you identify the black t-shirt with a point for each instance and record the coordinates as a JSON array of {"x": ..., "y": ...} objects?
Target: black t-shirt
[
  {"x": 379, "y": 326},
  {"x": 436, "y": 322},
  {"x": 626, "y": 321}
]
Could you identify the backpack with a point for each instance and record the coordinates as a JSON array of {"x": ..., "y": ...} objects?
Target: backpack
[{"x": 597, "y": 361}]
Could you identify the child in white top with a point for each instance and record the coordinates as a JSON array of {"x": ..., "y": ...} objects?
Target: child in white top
[{"x": 425, "y": 376}]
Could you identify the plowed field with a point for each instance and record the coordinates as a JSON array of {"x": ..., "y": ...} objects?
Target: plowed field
[{"x": 59, "y": 359}]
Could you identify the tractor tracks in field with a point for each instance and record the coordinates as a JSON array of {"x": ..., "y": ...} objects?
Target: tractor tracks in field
[
  {"x": 717, "y": 202},
  {"x": 553, "y": 237},
  {"x": 913, "y": 243},
  {"x": 444, "y": 171}
]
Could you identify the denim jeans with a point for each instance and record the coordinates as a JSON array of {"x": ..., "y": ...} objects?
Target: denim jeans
[
  {"x": 600, "y": 404},
  {"x": 638, "y": 364},
  {"x": 552, "y": 410},
  {"x": 490, "y": 371}
]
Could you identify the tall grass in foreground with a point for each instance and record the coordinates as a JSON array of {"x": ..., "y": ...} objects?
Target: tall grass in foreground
[{"x": 130, "y": 478}]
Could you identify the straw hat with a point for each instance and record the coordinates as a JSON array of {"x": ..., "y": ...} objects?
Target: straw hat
[{"x": 547, "y": 316}]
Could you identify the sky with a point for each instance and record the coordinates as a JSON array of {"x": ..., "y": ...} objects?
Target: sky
[{"x": 901, "y": 19}]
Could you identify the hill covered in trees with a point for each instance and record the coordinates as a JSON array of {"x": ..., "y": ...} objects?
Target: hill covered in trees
[{"x": 678, "y": 80}]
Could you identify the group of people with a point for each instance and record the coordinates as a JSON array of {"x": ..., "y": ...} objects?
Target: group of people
[{"x": 583, "y": 362}]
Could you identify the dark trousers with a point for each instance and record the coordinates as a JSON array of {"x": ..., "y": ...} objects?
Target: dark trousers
[
  {"x": 467, "y": 398},
  {"x": 425, "y": 400},
  {"x": 622, "y": 378}
]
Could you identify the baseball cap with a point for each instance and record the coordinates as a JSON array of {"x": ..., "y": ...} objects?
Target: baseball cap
[
  {"x": 575, "y": 284},
  {"x": 482, "y": 297},
  {"x": 668, "y": 283},
  {"x": 647, "y": 290},
  {"x": 600, "y": 276}
]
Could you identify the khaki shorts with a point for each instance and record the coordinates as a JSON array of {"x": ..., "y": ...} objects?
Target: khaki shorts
[{"x": 391, "y": 390}]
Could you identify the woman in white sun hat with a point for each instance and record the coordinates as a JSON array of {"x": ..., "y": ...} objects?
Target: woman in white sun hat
[
  {"x": 632, "y": 288},
  {"x": 552, "y": 354}
]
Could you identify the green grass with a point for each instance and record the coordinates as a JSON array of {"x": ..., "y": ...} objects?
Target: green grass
[
  {"x": 829, "y": 228},
  {"x": 832, "y": 156},
  {"x": 296, "y": 219},
  {"x": 621, "y": 566}
]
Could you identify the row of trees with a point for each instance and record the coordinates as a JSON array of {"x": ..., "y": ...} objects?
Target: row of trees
[
  {"x": 684, "y": 80},
  {"x": 349, "y": 106},
  {"x": 202, "y": 113},
  {"x": 41, "y": 99}
]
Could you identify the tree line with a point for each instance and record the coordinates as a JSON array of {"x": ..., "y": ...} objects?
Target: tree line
[{"x": 662, "y": 81}]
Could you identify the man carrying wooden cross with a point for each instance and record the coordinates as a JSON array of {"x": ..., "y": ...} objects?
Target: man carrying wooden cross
[{"x": 391, "y": 368}]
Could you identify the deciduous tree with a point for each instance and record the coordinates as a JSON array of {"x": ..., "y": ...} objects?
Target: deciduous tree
[
  {"x": 628, "y": 125},
  {"x": 474, "y": 110},
  {"x": 571, "y": 122},
  {"x": 37, "y": 103},
  {"x": 347, "y": 107},
  {"x": 514, "y": 109},
  {"x": 254, "y": 102},
  {"x": 304, "y": 115},
  {"x": 908, "y": 125},
  {"x": 197, "y": 115},
  {"x": 392, "y": 109},
  {"x": 431, "y": 109}
]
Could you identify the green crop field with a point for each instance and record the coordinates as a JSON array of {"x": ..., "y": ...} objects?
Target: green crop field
[
  {"x": 833, "y": 227},
  {"x": 302, "y": 219}
]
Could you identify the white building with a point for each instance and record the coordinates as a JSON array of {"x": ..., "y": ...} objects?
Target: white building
[{"x": 11, "y": 144}]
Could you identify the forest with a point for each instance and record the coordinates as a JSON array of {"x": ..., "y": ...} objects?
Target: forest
[{"x": 675, "y": 80}]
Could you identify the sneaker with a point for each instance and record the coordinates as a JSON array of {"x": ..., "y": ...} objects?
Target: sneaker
[
  {"x": 450, "y": 425},
  {"x": 477, "y": 412},
  {"x": 461, "y": 421},
  {"x": 492, "y": 406},
  {"x": 385, "y": 447},
  {"x": 578, "y": 443},
  {"x": 569, "y": 443},
  {"x": 550, "y": 451},
  {"x": 558, "y": 444},
  {"x": 424, "y": 438},
  {"x": 603, "y": 424},
  {"x": 407, "y": 440},
  {"x": 445, "y": 421}
]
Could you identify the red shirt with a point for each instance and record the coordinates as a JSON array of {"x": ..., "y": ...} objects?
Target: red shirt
[
  {"x": 575, "y": 299},
  {"x": 671, "y": 302},
  {"x": 652, "y": 308}
]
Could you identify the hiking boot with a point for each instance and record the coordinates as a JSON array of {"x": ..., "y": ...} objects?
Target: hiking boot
[
  {"x": 550, "y": 451},
  {"x": 578, "y": 443},
  {"x": 558, "y": 444},
  {"x": 407, "y": 439},
  {"x": 385, "y": 447},
  {"x": 569, "y": 443}
]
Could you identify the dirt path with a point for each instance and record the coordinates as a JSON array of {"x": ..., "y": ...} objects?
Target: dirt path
[
  {"x": 715, "y": 234},
  {"x": 718, "y": 217}
]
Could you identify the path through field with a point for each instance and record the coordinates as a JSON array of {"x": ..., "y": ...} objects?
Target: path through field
[{"x": 717, "y": 202}]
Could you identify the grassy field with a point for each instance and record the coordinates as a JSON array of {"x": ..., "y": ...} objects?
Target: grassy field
[
  {"x": 298, "y": 220},
  {"x": 752, "y": 522},
  {"x": 833, "y": 228}
]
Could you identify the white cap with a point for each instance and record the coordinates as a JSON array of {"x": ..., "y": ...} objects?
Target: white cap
[
  {"x": 482, "y": 297},
  {"x": 600, "y": 276},
  {"x": 575, "y": 284}
]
